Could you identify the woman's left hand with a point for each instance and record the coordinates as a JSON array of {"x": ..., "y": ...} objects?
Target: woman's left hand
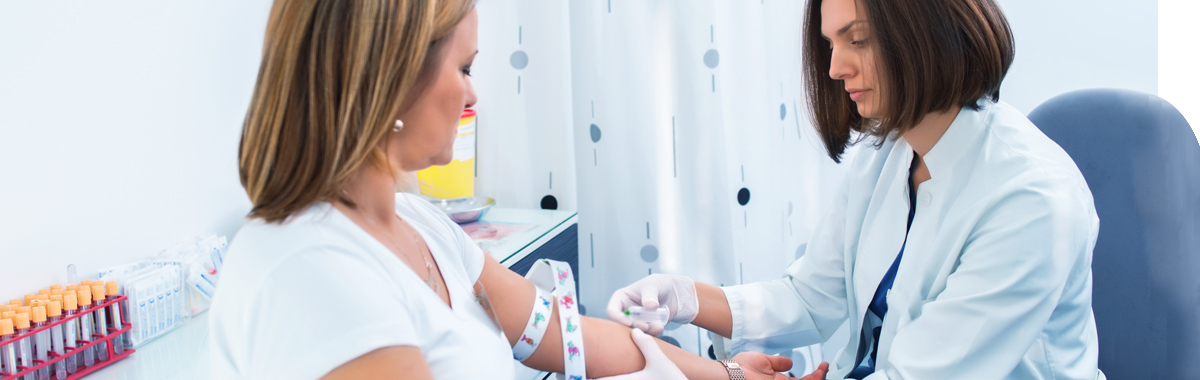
[{"x": 757, "y": 365}]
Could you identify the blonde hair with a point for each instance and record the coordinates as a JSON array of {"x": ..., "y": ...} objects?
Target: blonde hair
[{"x": 335, "y": 76}]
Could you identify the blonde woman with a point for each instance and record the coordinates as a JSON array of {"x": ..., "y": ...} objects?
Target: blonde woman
[{"x": 335, "y": 275}]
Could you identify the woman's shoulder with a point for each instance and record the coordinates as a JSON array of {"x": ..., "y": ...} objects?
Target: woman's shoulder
[
  {"x": 1013, "y": 165},
  {"x": 1014, "y": 145},
  {"x": 416, "y": 209},
  {"x": 310, "y": 244},
  {"x": 313, "y": 229},
  {"x": 413, "y": 203}
]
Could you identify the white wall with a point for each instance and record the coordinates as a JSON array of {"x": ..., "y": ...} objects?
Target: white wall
[
  {"x": 1065, "y": 45},
  {"x": 119, "y": 124},
  {"x": 1178, "y": 56}
]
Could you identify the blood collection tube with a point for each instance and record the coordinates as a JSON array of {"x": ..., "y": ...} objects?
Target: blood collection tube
[
  {"x": 23, "y": 309},
  {"x": 54, "y": 313},
  {"x": 114, "y": 313},
  {"x": 33, "y": 305},
  {"x": 85, "y": 325},
  {"x": 41, "y": 341},
  {"x": 70, "y": 330},
  {"x": 24, "y": 349},
  {"x": 100, "y": 319},
  {"x": 8, "y": 347}
]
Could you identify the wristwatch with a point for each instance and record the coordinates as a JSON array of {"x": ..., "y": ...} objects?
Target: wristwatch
[{"x": 735, "y": 369}]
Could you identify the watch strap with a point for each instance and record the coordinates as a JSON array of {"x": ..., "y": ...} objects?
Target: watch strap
[{"x": 734, "y": 369}]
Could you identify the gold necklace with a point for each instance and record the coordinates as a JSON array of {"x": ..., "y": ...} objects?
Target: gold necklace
[{"x": 429, "y": 279}]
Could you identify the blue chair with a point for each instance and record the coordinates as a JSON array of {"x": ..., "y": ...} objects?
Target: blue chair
[{"x": 1142, "y": 162}]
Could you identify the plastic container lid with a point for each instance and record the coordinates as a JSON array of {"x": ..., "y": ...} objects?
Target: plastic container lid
[
  {"x": 111, "y": 287},
  {"x": 56, "y": 286},
  {"x": 56, "y": 297},
  {"x": 24, "y": 309},
  {"x": 467, "y": 112},
  {"x": 70, "y": 302},
  {"x": 56, "y": 291},
  {"x": 15, "y": 302},
  {"x": 71, "y": 287},
  {"x": 85, "y": 282},
  {"x": 85, "y": 295},
  {"x": 29, "y": 297},
  {"x": 8, "y": 314},
  {"x": 44, "y": 291},
  {"x": 53, "y": 308},
  {"x": 97, "y": 292},
  {"x": 21, "y": 321},
  {"x": 3, "y": 308},
  {"x": 6, "y": 326},
  {"x": 39, "y": 314}
]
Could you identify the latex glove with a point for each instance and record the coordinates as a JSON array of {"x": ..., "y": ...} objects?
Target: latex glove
[
  {"x": 658, "y": 367},
  {"x": 677, "y": 293},
  {"x": 757, "y": 365}
]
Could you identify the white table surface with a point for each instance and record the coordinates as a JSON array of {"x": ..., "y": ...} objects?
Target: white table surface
[{"x": 183, "y": 354}]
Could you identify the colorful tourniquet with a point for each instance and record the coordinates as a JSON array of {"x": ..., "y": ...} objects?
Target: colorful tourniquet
[
  {"x": 557, "y": 275},
  {"x": 539, "y": 320}
]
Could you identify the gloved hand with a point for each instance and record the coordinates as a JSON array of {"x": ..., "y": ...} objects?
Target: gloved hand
[
  {"x": 677, "y": 293},
  {"x": 658, "y": 367}
]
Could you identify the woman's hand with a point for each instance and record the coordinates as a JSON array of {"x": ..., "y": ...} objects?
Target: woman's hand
[
  {"x": 677, "y": 293},
  {"x": 757, "y": 365}
]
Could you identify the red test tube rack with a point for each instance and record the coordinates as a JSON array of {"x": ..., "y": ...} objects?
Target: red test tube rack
[{"x": 81, "y": 344}]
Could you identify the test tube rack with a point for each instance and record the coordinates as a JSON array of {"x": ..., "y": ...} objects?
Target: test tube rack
[{"x": 81, "y": 345}]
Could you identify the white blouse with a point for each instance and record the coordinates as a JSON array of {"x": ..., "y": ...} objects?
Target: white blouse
[{"x": 298, "y": 299}]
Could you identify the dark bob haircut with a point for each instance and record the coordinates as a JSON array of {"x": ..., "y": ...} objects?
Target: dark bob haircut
[{"x": 931, "y": 55}]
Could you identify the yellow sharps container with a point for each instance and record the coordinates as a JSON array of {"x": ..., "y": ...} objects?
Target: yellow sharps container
[{"x": 456, "y": 179}]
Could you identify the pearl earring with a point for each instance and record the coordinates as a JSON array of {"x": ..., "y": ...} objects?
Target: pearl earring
[{"x": 399, "y": 125}]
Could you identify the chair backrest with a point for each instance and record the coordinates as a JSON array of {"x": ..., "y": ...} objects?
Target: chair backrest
[{"x": 1142, "y": 163}]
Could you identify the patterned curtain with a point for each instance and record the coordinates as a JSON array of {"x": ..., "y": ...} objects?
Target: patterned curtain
[{"x": 676, "y": 129}]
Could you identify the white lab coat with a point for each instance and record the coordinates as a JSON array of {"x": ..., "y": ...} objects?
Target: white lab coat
[{"x": 996, "y": 279}]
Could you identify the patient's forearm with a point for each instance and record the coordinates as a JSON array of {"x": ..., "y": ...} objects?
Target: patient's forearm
[
  {"x": 608, "y": 347},
  {"x": 609, "y": 350}
]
